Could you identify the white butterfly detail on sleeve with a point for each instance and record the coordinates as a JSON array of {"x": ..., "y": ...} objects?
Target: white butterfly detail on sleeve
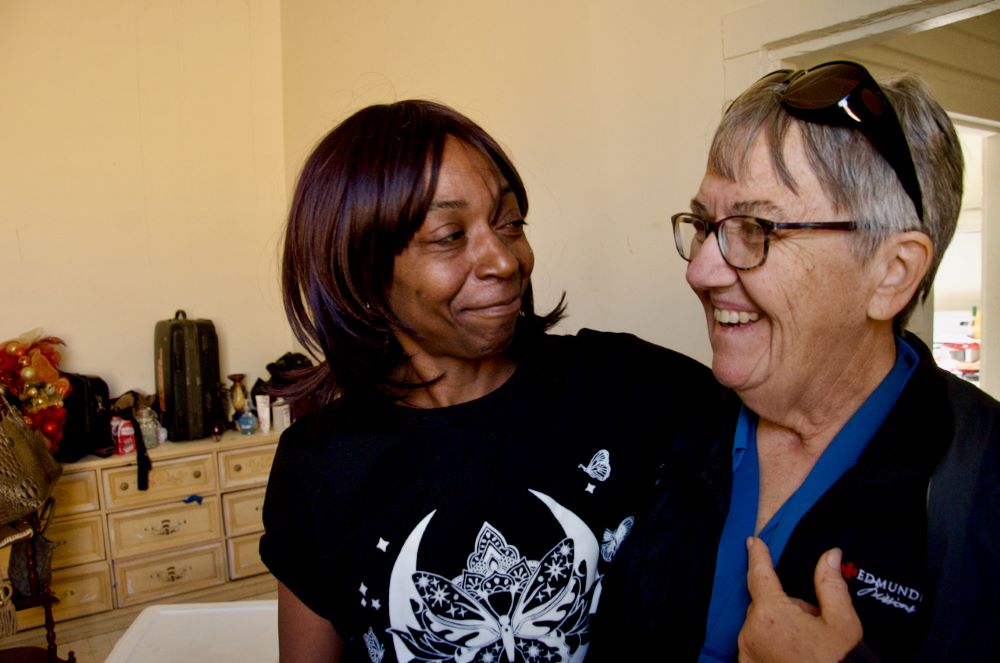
[
  {"x": 600, "y": 465},
  {"x": 375, "y": 649},
  {"x": 611, "y": 540}
]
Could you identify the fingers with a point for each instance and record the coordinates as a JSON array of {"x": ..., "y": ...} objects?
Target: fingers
[
  {"x": 831, "y": 589},
  {"x": 805, "y": 606},
  {"x": 762, "y": 581},
  {"x": 779, "y": 628},
  {"x": 834, "y": 596}
]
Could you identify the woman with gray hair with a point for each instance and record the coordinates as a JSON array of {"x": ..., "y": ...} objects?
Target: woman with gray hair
[{"x": 826, "y": 206}]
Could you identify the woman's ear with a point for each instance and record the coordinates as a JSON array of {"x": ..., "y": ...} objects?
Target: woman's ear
[{"x": 901, "y": 261}]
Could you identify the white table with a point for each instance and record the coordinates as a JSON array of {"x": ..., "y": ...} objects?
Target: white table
[{"x": 234, "y": 632}]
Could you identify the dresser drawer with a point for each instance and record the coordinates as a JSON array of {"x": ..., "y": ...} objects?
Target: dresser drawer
[
  {"x": 244, "y": 556},
  {"x": 167, "y": 479},
  {"x": 77, "y": 540},
  {"x": 241, "y": 511},
  {"x": 246, "y": 467},
  {"x": 155, "y": 529},
  {"x": 76, "y": 492},
  {"x": 81, "y": 590},
  {"x": 149, "y": 578}
]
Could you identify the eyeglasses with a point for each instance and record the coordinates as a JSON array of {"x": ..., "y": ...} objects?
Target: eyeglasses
[
  {"x": 743, "y": 240},
  {"x": 844, "y": 94}
]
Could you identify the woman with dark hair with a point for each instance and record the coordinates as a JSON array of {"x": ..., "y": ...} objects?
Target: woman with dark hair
[{"x": 470, "y": 476}]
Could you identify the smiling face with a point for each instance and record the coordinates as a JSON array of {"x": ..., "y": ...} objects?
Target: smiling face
[
  {"x": 788, "y": 329},
  {"x": 458, "y": 284}
]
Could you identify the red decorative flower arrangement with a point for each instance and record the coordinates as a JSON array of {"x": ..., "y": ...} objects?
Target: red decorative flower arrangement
[{"x": 29, "y": 373}]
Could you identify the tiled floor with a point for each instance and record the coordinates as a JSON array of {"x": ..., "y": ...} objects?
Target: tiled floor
[{"x": 91, "y": 650}]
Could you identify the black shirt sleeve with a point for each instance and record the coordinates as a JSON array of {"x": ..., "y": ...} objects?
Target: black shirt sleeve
[{"x": 290, "y": 546}]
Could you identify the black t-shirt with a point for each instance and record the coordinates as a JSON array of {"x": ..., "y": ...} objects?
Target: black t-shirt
[{"x": 480, "y": 531}]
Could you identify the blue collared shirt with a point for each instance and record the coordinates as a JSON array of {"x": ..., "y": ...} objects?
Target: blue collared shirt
[{"x": 730, "y": 597}]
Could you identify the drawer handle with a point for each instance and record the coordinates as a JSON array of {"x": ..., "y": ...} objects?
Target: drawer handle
[
  {"x": 166, "y": 527},
  {"x": 197, "y": 474},
  {"x": 237, "y": 467},
  {"x": 123, "y": 485},
  {"x": 172, "y": 574}
]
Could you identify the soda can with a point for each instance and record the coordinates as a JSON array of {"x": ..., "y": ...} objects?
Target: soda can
[{"x": 123, "y": 434}]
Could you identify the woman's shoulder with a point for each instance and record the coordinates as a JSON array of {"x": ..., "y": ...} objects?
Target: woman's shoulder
[
  {"x": 329, "y": 452},
  {"x": 626, "y": 350},
  {"x": 616, "y": 367},
  {"x": 328, "y": 431}
]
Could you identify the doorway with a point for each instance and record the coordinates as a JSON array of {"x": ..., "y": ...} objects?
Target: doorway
[{"x": 958, "y": 287}]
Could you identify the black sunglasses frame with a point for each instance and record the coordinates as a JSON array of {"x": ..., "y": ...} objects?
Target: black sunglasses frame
[
  {"x": 768, "y": 226},
  {"x": 844, "y": 94}
]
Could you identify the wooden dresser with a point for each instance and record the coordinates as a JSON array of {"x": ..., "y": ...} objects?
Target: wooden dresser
[{"x": 196, "y": 527}]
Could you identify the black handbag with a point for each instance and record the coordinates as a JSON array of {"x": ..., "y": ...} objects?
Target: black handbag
[{"x": 88, "y": 419}]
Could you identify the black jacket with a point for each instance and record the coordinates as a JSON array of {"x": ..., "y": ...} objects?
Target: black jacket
[{"x": 914, "y": 605}]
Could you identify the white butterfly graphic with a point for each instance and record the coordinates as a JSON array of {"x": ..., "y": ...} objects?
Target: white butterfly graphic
[
  {"x": 538, "y": 615},
  {"x": 375, "y": 649},
  {"x": 600, "y": 465},
  {"x": 611, "y": 540}
]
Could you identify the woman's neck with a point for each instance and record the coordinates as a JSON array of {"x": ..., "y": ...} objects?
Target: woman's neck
[
  {"x": 793, "y": 432},
  {"x": 815, "y": 412},
  {"x": 453, "y": 381}
]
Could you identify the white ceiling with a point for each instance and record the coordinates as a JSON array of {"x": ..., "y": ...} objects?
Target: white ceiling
[{"x": 960, "y": 61}]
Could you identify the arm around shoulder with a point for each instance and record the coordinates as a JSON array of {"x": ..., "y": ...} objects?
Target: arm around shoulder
[{"x": 304, "y": 636}]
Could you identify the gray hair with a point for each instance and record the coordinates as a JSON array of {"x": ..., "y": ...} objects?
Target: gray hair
[{"x": 861, "y": 184}]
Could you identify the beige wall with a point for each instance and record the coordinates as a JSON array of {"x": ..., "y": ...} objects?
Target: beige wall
[
  {"x": 141, "y": 172},
  {"x": 148, "y": 146},
  {"x": 605, "y": 107}
]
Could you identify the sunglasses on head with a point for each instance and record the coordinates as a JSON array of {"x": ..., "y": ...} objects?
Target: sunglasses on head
[{"x": 844, "y": 94}]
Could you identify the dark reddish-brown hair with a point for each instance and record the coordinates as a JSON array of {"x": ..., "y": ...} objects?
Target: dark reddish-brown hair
[{"x": 362, "y": 195}]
